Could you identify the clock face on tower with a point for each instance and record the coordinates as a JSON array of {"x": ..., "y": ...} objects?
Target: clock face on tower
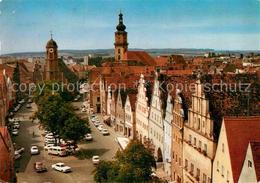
[{"x": 51, "y": 50}]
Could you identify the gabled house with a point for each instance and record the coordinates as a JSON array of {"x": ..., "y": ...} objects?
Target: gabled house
[
  {"x": 113, "y": 107},
  {"x": 156, "y": 126},
  {"x": 120, "y": 113},
  {"x": 179, "y": 117},
  {"x": 251, "y": 166},
  {"x": 167, "y": 122},
  {"x": 130, "y": 116},
  {"x": 142, "y": 111},
  {"x": 199, "y": 145},
  {"x": 235, "y": 135}
]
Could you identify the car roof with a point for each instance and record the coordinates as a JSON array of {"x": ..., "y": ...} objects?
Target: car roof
[{"x": 60, "y": 163}]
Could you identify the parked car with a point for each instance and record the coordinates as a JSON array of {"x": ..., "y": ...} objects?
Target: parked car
[
  {"x": 88, "y": 137},
  {"x": 95, "y": 160},
  {"x": 15, "y": 131},
  {"x": 105, "y": 131},
  {"x": 100, "y": 127},
  {"x": 47, "y": 146},
  {"x": 61, "y": 167},
  {"x": 35, "y": 150},
  {"x": 16, "y": 125},
  {"x": 21, "y": 101},
  {"x": 19, "y": 150},
  {"x": 17, "y": 155},
  {"x": 50, "y": 141},
  {"x": 83, "y": 110},
  {"x": 39, "y": 167},
  {"x": 96, "y": 124},
  {"x": 57, "y": 150},
  {"x": 28, "y": 106}
]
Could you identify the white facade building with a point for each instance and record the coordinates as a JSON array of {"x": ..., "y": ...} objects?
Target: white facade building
[
  {"x": 168, "y": 135},
  {"x": 156, "y": 132},
  {"x": 142, "y": 111}
]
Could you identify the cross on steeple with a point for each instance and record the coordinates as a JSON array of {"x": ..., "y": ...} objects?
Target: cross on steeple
[{"x": 51, "y": 34}]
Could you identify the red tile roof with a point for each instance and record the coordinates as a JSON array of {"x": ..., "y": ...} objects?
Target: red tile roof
[
  {"x": 240, "y": 131},
  {"x": 139, "y": 56},
  {"x": 255, "y": 146},
  {"x": 161, "y": 60}
]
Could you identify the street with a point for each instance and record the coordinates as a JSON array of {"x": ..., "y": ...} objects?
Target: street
[{"x": 82, "y": 170}]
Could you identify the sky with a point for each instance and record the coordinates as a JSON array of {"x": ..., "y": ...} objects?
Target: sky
[{"x": 25, "y": 25}]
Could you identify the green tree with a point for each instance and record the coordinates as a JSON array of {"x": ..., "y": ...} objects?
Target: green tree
[
  {"x": 17, "y": 82},
  {"x": 74, "y": 129},
  {"x": 134, "y": 164}
]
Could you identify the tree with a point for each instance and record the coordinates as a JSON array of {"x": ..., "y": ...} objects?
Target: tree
[
  {"x": 74, "y": 129},
  {"x": 17, "y": 82},
  {"x": 134, "y": 164}
]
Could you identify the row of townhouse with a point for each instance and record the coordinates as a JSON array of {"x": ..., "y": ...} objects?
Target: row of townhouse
[
  {"x": 7, "y": 95},
  {"x": 182, "y": 137}
]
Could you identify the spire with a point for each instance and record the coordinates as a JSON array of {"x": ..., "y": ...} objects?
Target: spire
[
  {"x": 51, "y": 34},
  {"x": 120, "y": 26}
]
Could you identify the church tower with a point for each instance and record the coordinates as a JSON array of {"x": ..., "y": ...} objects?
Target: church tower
[
  {"x": 121, "y": 44},
  {"x": 52, "y": 71}
]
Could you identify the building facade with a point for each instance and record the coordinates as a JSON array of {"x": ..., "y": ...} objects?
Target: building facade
[
  {"x": 120, "y": 114},
  {"x": 167, "y": 121},
  {"x": 177, "y": 139},
  {"x": 250, "y": 170},
  {"x": 156, "y": 128},
  {"x": 235, "y": 135},
  {"x": 7, "y": 170},
  {"x": 198, "y": 146},
  {"x": 130, "y": 116},
  {"x": 142, "y": 112}
]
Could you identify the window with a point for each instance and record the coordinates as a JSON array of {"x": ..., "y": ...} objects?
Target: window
[
  {"x": 199, "y": 144},
  {"x": 204, "y": 178},
  {"x": 222, "y": 170},
  {"x": 98, "y": 99},
  {"x": 191, "y": 168},
  {"x": 194, "y": 141},
  {"x": 198, "y": 173},
  {"x": 118, "y": 50},
  {"x": 223, "y": 147},
  {"x": 190, "y": 138},
  {"x": 249, "y": 164},
  {"x": 198, "y": 124},
  {"x": 205, "y": 148},
  {"x": 186, "y": 164}
]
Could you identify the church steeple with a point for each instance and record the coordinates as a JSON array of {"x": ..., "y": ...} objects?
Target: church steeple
[
  {"x": 52, "y": 71},
  {"x": 121, "y": 44},
  {"x": 120, "y": 26}
]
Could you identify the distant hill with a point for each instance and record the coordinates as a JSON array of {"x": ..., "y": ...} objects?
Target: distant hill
[{"x": 154, "y": 52}]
